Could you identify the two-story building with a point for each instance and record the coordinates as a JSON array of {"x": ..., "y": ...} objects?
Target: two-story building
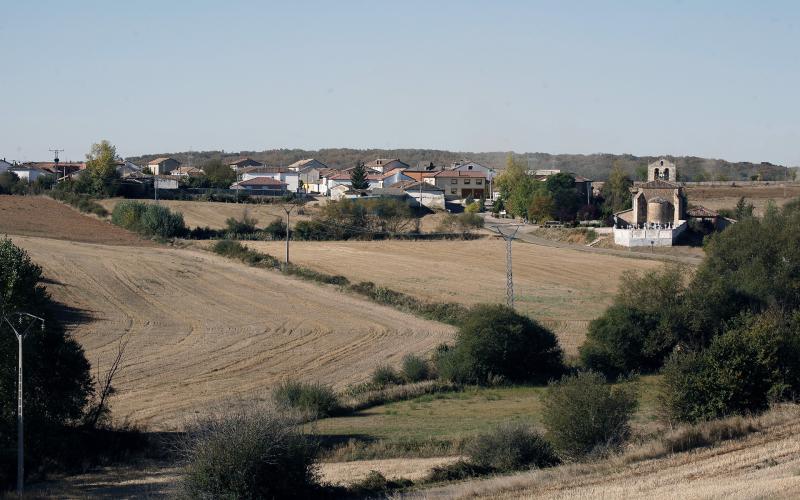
[
  {"x": 163, "y": 166},
  {"x": 458, "y": 185},
  {"x": 281, "y": 174}
]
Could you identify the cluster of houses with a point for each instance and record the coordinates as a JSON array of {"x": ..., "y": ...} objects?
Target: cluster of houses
[{"x": 428, "y": 184}]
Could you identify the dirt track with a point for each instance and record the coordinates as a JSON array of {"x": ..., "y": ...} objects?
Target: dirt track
[
  {"x": 564, "y": 288},
  {"x": 205, "y": 330}
]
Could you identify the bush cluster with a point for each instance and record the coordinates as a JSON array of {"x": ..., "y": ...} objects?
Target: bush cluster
[
  {"x": 148, "y": 219},
  {"x": 82, "y": 202},
  {"x": 496, "y": 344},
  {"x": 235, "y": 250},
  {"x": 510, "y": 447},
  {"x": 249, "y": 454},
  {"x": 314, "y": 399},
  {"x": 585, "y": 415},
  {"x": 752, "y": 363}
]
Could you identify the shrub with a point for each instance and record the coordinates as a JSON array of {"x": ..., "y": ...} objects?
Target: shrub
[
  {"x": 249, "y": 454},
  {"x": 385, "y": 375},
  {"x": 316, "y": 399},
  {"x": 583, "y": 414},
  {"x": 375, "y": 483},
  {"x": 617, "y": 342},
  {"x": 235, "y": 250},
  {"x": 244, "y": 225},
  {"x": 148, "y": 220},
  {"x": 510, "y": 447},
  {"x": 276, "y": 229},
  {"x": 496, "y": 342},
  {"x": 415, "y": 369},
  {"x": 457, "y": 471},
  {"x": 751, "y": 363}
]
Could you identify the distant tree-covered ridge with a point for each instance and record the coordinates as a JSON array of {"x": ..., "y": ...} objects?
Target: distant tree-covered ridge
[{"x": 594, "y": 166}]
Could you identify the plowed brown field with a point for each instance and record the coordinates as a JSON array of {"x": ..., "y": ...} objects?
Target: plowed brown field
[
  {"x": 563, "y": 288},
  {"x": 205, "y": 330},
  {"x": 718, "y": 197}
]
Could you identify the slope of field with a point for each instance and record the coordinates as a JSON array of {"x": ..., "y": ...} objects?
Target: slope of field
[
  {"x": 205, "y": 330},
  {"x": 214, "y": 214},
  {"x": 564, "y": 288},
  {"x": 763, "y": 465},
  {"x": 719, "y": 197},
  {"x": 42, "y": 216}
]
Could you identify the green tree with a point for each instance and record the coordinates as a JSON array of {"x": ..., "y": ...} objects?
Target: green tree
[
  {"x": 495, "y": 342},
  {"x": 617, "y": 191},
  {"x": 101, "y": 174},
  {"x": 561, "y": 187},
  {"x": 218, "y": 174},
  {"x": 358, "y": 177},
  {"x": 743, "y": 209},
  {"x": 57, "y": 379},
  {"x": 584, "y": 414},
  {"x": 541, "y": 208}
]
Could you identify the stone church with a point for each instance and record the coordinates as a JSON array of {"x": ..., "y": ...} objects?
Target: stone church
[{"x": 658, "y": 215}]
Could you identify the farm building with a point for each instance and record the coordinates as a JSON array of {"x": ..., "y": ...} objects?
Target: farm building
[{"x": 423, "y": 193}]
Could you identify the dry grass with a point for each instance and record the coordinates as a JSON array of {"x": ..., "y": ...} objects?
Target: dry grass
[
  {"x": 718, "y": 197},
  {"x": 347, "y": 473},
  {"x": 562, "y": 288},
  {"x": 765, "y": 464},
  {"x": 204, "y": 329}
]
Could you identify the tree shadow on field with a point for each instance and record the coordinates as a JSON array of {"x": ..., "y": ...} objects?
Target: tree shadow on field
[
  {"x": 70, "y": 316},
  {"x": 328, "y": 442}
]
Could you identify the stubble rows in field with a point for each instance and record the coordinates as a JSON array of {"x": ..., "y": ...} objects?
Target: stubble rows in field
[
  {"x": 563, "y": 288},
  {"x": 206, "y": 331}
]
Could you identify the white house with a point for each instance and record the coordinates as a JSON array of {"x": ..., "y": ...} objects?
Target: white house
[
  {"x": 343, "y": 179},
  {"x": 281, "y": 174},
  {"x": 306, "y": 164},
  {"x": 163, "y": 165},
  {"x": 28, "y": 172},
  {"x": 383, "y": 165},
  {"x": 471, "y": 166}
]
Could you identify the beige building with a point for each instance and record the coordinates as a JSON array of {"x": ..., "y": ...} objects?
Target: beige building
[
  {"x": 460, "y": 184},
  {"x": 163, "y": 166}
]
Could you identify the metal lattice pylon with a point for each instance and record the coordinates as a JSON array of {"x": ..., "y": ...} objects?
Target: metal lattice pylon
[{"x": 509, "y": 237}]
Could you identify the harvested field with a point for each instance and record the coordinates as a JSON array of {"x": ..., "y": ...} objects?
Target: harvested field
[
  {"x": 206, "y": 331},
  {"x": 42, "y": 216},
  {"x": 214, "y": 214},
  {"x": 718, "y": 197},
  {"x": 347, "y": 473},
  {"x": 563, "y": 288}
]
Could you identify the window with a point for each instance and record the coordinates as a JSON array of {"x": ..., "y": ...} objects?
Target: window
[
  {"x": 478, "y": 181},
  {"x": 454, "y": 181},
  {"x": 466, "y": 181},
  {"x": 453, "y": 191}
]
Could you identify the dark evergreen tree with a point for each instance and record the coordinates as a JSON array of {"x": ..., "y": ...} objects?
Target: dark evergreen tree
[{"x": 358, "y": 177}]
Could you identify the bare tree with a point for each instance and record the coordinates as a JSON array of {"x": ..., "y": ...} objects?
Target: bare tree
[{"x": 104, "y": 388}]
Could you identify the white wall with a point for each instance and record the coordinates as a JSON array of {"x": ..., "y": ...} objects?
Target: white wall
[
  {"x": 644, "y": 237},
  {"x": 430, "y": 200}
]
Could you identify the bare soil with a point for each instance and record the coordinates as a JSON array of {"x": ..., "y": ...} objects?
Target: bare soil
[{"x": 45, "y": 217}]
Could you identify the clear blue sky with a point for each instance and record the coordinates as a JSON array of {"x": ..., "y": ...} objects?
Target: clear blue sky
[{"x": 717, "y": 79}]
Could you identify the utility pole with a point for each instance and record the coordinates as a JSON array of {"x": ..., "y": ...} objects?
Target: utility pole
[
  {"x": 509, "y": 237},
  {"x": 288, "y": 209},
  {"x": 21, "y": 318},
  {"x": 56, "y": 160}
]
